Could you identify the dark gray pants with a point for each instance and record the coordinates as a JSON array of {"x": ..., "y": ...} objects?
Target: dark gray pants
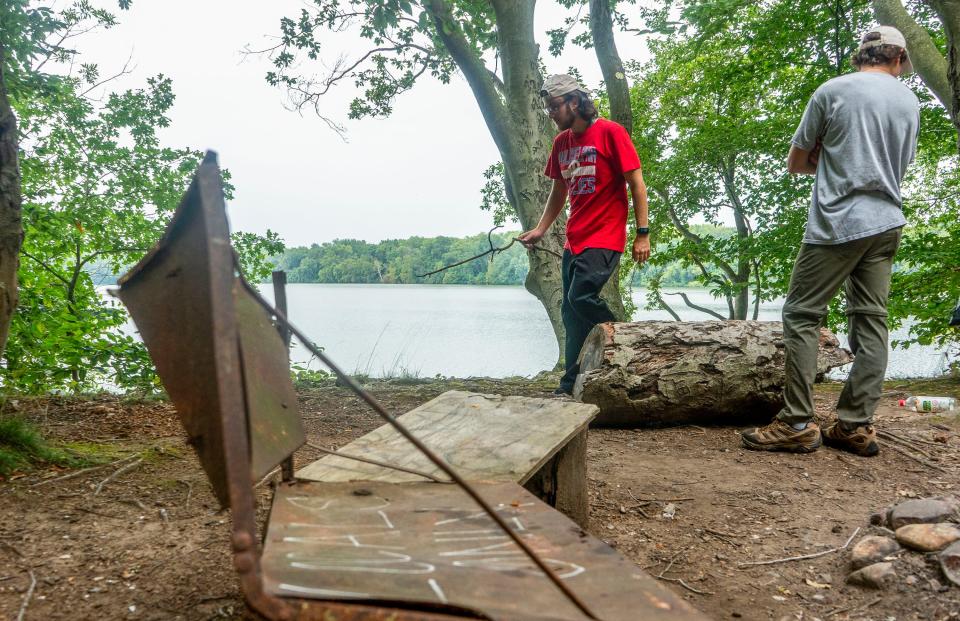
[
  {"x": 583, "y": 275},
  {"x": 863, "y": 266}
]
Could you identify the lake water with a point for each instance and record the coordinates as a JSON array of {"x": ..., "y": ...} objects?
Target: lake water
[{"x": 462, "y": 331}]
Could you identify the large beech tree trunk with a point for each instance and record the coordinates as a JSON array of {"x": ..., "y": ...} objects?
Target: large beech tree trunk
[
  {"x": 666, "y": 372},
  {"x": 512, "y": 110},
  {"x": 11, "y": 228}
]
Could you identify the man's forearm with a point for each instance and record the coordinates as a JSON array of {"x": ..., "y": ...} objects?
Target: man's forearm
[
  {"x": 640, "y": 208},
  {"x": 555, "y": 203}
]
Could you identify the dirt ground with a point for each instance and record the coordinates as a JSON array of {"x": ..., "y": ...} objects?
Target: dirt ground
[{"x": 145, "y": 539}]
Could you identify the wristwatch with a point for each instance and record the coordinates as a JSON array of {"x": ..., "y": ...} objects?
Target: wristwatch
[{"x": 642, "y": 230}]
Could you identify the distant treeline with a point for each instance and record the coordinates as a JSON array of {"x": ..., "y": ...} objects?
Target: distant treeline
[{"x": 400, "y": 261}]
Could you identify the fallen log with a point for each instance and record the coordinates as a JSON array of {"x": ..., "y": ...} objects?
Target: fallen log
[{"x": 669, "y": 372}]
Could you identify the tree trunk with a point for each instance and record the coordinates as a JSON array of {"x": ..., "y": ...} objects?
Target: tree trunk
[
  {"x": 11, "y": 227},
  {"x": 949, "y": 13},
  {"x": 669, "y": 372},
  {"x": 513, "y": 114},
  {"x": 927, "y": 60},
  {"x": 526, "y": 150},
  {"x": 614, "y": 77}
]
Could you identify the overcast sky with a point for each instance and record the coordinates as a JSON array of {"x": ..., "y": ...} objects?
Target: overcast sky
[{"x": 418, "y": 172}]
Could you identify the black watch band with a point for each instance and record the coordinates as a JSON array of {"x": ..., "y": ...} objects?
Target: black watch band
[{"x": 642, "y": 230}]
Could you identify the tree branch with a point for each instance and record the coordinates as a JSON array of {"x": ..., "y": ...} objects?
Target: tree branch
[
  {"x": 702, "y": 309},
  {"x": 44, "y": 265},
  {"x": 614, "y": 76},
  {"x": 691, "y": 236},
  {"x": 926, "y": 58},
  {"x": 474, "y": 70}
]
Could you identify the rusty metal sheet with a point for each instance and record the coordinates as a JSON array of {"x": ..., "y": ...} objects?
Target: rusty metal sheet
[
  {"x": 428, "y": 544},
  {"x": 276, "y": 429},
  {"x": 180, "y": 297}
]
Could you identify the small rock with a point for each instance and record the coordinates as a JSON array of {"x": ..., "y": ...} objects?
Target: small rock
[
  {"x": 669, "y": 511},
  {"x": 928, "y": 537},
  {"x": 911, "y": 580},
  {"x": 872, "y": 549},
  {"x": 876, "y": 576},
  {"x": 950, "y": 563},
  {"x": 922, "y": 511}
]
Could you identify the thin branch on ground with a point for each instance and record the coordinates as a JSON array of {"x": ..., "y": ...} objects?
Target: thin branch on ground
[
  {"x": 852, "y": 608},
  {"x": 189, "y": 485},
  {"x": 493, "y": 251},
  {"x": 911, "y": 439},
  {"x": 902, "y": 441},
  {"x": 801, "y": 558},
  {"x": 679, "y": 581},
  {"x": 267, "y": 477},
  {"x": 26, "y": 598},
  {"x": 724, "y": 537},
  {"x": 663, "y": 499},
  {"x": 919, "y": 460},
  {"x": 118, "y": 472},
  {"x": 80, "y": 472}
]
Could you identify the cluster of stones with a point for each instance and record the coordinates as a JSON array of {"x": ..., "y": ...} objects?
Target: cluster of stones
[{"x": 924, "y": 525}]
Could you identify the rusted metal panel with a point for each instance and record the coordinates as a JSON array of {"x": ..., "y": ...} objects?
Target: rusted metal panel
[
  {"x": 180, "y": 297},
  {"x": 428, "y": 543},
  {"x": 276, "y": 429},
  {"x": 221, "y": 359}
]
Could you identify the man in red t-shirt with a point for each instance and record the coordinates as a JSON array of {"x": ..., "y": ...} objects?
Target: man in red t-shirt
[{"x": 592, "y": 161}]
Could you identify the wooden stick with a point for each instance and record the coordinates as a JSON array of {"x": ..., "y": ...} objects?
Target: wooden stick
[
  {"x": 685, "y": 585},
  {"x": 851, "y": 608},
  {"x": 266, "y": 478},
  {"x": 26, "y": 598},
  {"x": 84, "y": 471},
  {"x": 902, "y": 441},
  {"x": 117, "y": 473},
  {"x": 919, "y": 460},
  {"x": 800, "y": 558},
  {"x": 189, "y": 485}
]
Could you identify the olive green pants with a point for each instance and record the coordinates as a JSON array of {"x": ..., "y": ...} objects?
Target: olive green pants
[{"x": 863, "y": 266}]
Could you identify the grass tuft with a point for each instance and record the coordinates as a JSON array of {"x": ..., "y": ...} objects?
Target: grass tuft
[{"x": 21, "y": 446}]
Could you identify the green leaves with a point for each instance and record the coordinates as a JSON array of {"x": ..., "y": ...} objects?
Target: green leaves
[
  {"x": 715, "y": 110},
  {"x": 98, "y": 190}
]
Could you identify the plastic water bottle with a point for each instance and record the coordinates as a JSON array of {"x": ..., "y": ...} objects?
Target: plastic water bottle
[{"x": 929, "y": 404}]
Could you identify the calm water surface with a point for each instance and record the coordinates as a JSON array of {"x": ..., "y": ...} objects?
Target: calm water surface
[{"x": 462, "y": 330}]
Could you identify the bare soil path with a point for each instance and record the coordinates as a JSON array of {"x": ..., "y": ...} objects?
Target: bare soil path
[{"x": 687, "y": 504}]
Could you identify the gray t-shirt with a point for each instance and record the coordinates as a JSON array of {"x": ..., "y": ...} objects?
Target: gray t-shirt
[{"x": 868, "y": 123}]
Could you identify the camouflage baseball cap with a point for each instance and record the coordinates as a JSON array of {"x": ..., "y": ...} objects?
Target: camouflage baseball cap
[{"x": 559, "y": 84}]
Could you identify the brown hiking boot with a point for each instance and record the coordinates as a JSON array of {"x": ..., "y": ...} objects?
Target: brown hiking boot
[
  {"x": 780, "y": 436},
  {"x": 861, "y": 441}
]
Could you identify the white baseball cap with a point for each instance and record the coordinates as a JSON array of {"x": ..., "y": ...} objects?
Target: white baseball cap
[{"x": 888, "y": 36}]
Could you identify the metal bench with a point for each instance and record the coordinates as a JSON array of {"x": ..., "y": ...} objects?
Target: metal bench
[{"x": 359, "y": 550}]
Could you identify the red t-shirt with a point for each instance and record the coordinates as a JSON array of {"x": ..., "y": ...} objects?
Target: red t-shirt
[{"x": 592, "y": 166}]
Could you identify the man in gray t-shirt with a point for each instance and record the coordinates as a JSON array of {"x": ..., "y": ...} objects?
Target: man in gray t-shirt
[{"x": 858, "y": 135}]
